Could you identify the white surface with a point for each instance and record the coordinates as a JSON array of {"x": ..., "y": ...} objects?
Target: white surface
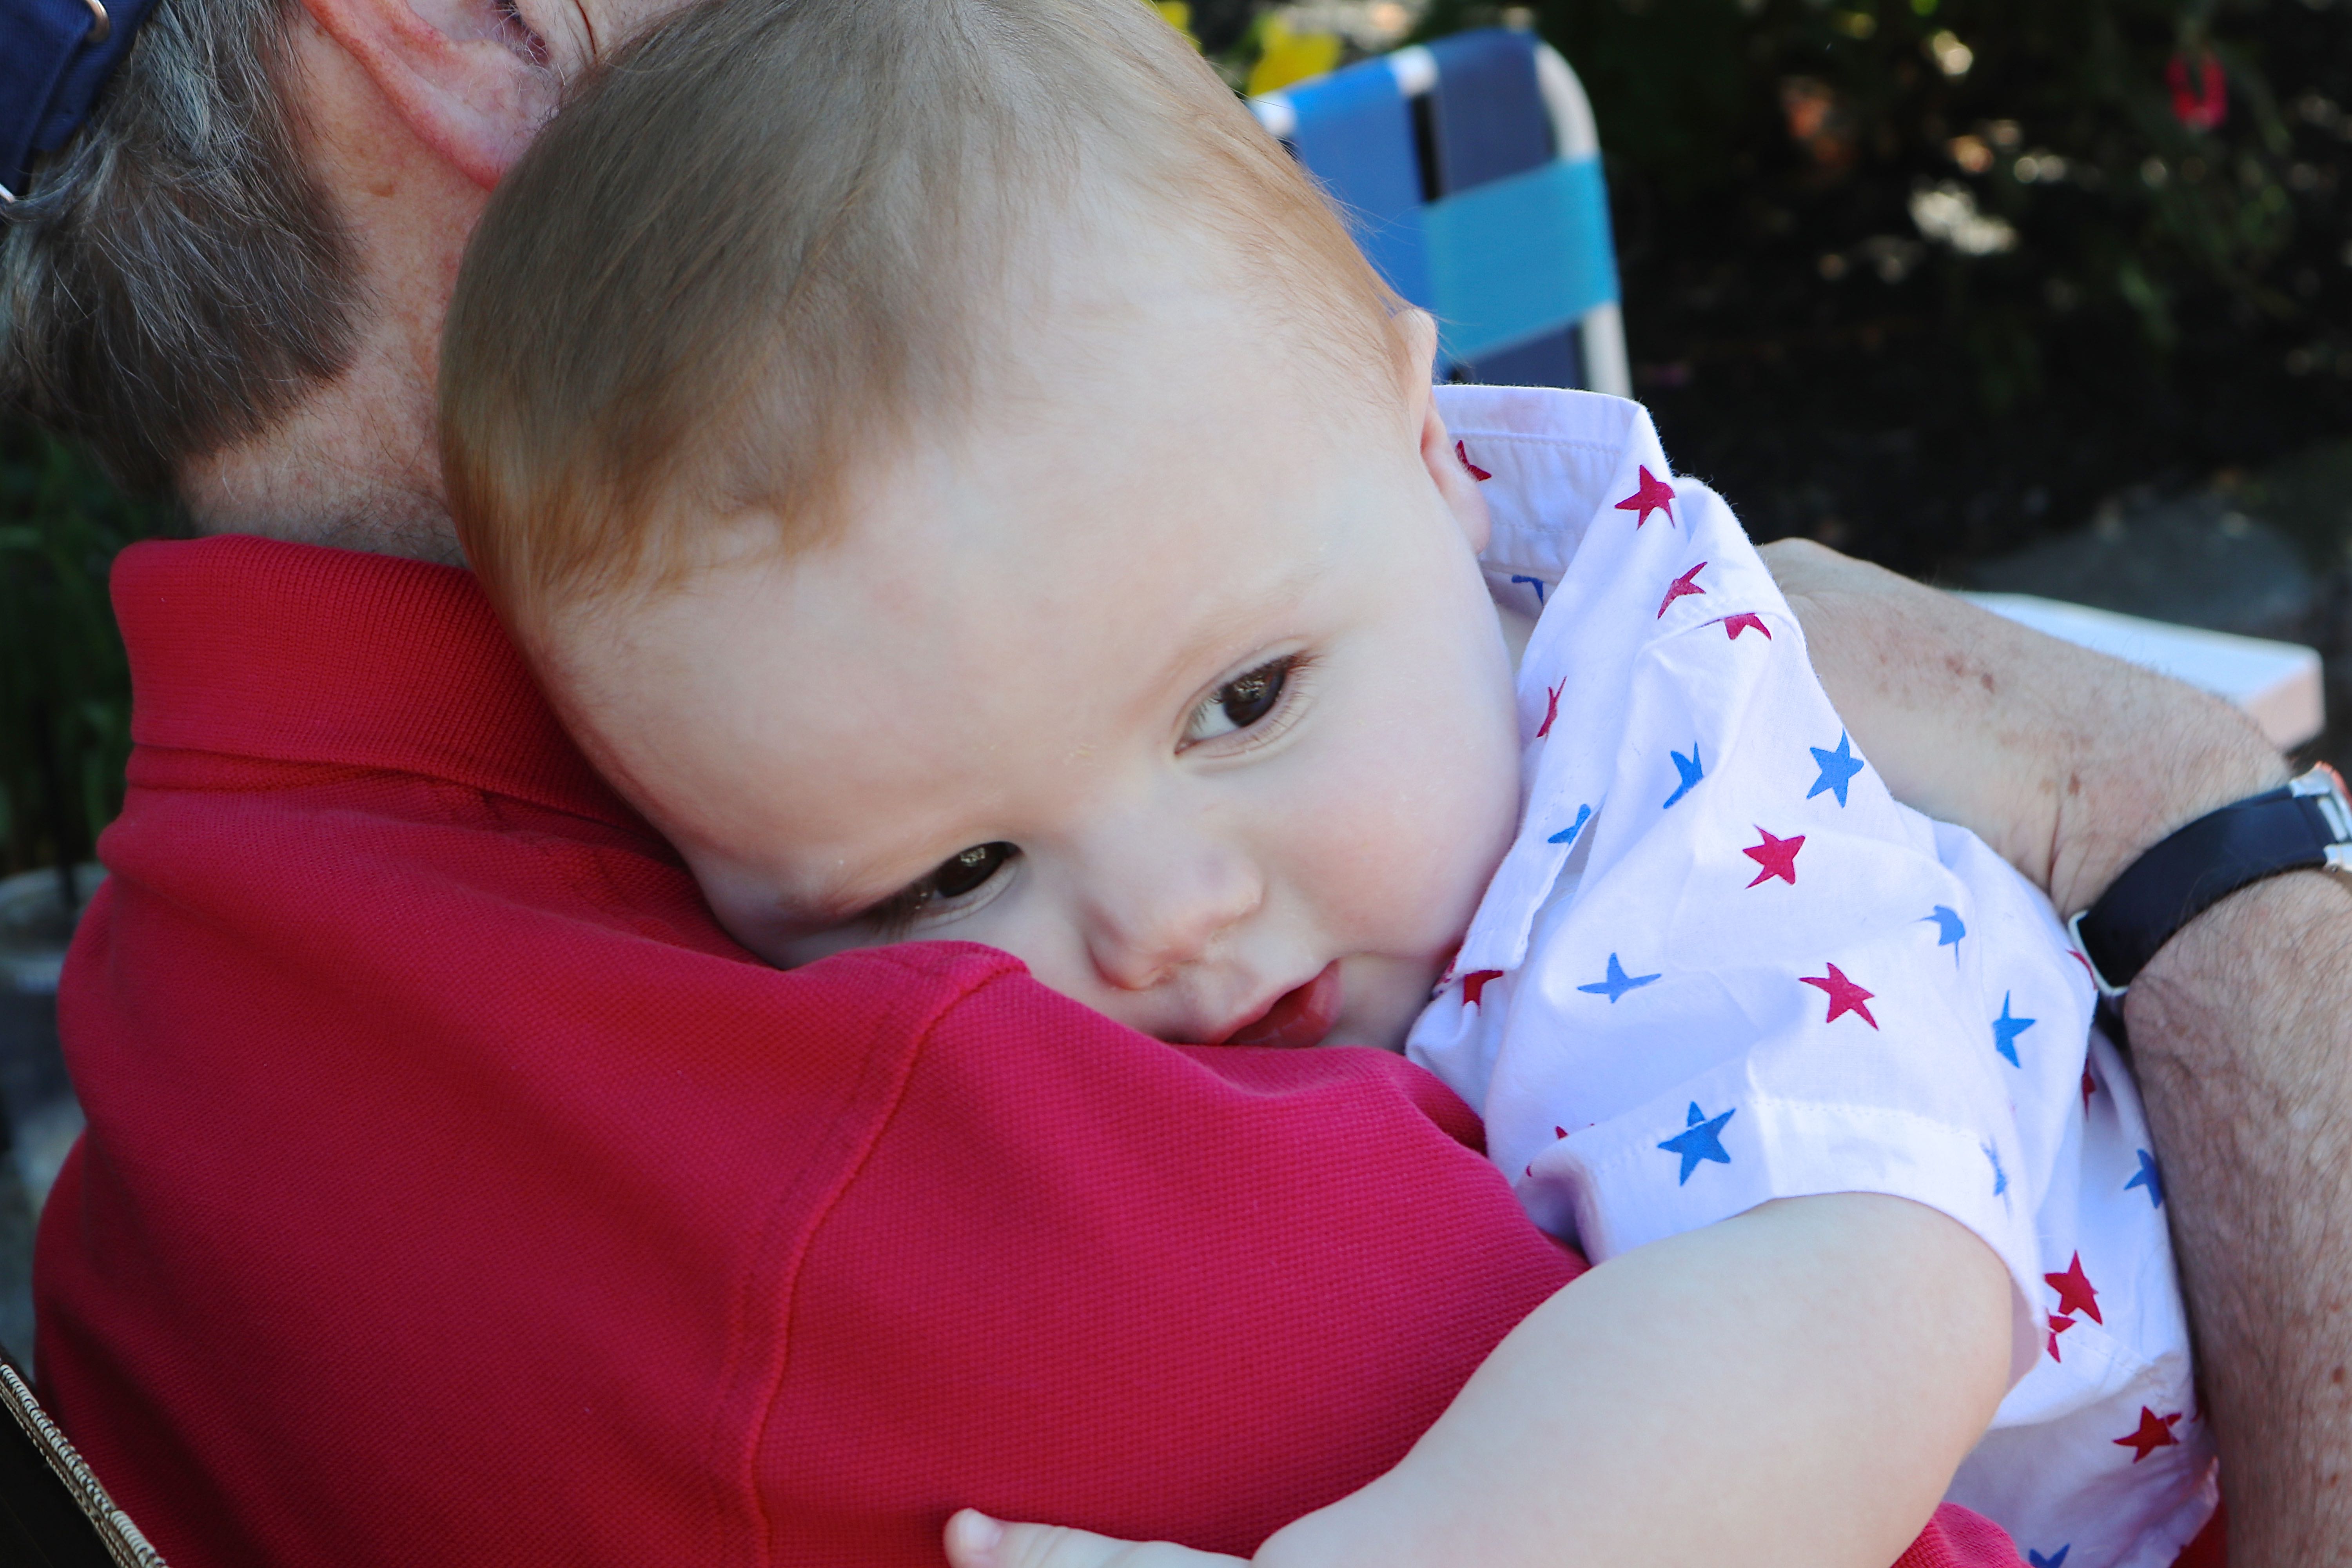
[
  {"x": 1606, "y": 366},
  {"x": 2277, "y": 682},
  {"x": 1277, "y": 113},
  {"x": 1415, "y": 69},
  {"x": 1572, "y": 126}
]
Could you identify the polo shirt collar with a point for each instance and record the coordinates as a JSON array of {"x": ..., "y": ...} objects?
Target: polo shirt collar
[{"x": 295, "y": 653}]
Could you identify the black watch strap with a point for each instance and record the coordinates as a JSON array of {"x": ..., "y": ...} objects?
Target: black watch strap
[{"x": 2307, "y": 824}]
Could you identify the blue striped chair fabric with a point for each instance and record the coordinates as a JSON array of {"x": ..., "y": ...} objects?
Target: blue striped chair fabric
[{"x": 1470, "y": 173}]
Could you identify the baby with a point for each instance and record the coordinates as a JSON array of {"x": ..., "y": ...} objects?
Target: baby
[{"x": 957, "y": 478}]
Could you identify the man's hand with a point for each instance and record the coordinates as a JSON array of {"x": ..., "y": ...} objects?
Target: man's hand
[
  {"x": 976, "y": 1540},
  {"x": 2066, "y": 762}
]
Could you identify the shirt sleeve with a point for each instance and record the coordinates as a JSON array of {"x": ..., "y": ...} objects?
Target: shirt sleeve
[{"x": 1723, "y": 966}]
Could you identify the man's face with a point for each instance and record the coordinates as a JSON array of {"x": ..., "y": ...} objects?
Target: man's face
[{"x": 1176, "y": 679}]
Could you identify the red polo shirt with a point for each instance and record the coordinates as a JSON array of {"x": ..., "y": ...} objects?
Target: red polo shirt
[{"x": 455, "y": 1191}]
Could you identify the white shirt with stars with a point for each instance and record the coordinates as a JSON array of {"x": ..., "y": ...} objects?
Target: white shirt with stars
[{"x": 1720, "y": 964}]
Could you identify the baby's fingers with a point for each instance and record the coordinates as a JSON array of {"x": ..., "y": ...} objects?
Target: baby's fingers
[{"x": 976, "y": 1540}]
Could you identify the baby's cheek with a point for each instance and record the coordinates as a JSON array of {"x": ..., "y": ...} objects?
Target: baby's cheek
[{"x": 1425, "y": 847}]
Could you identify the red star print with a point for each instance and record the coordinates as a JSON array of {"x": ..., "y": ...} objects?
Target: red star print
[
  {"x": 1684, "y": 586},
  {"x": 2077, "y": 955},
  {"x": 1559, "y": 1132},
  {"x": 1654, "y": 495},
  {"x": 1551, "y": 708},
  {"x": 1778, "y": 858},
  {"x": 2155, "y": 1432},
  {"x": 2058, "y": 1325},
  {"x": 2075, "y": 1292},
  {"x": 1845, "y": 995},
  {"x": 1735, "y": 624},
  {"x": 2090, "y": 1087},
  {"x": 1477, "y": 473},
  {"x": 1473, "y": 984}
]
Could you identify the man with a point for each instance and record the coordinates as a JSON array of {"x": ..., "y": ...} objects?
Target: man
[{"x": 454, "y": 1189}]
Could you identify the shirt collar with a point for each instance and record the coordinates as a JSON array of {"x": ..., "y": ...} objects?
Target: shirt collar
[
  {"x": 1548, "y": 456},
  {"x": 295, "y": 653}
]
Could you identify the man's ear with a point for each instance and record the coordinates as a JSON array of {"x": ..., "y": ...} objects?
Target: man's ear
[
  {"x": 1457, "y": 484},
  {"x": 469, "y": 78}
]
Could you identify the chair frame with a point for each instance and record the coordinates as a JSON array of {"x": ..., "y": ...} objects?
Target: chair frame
[{"x": 1602, "y": 330}]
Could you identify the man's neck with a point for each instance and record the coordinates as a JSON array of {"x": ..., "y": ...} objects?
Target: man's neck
[
  {"x": 355, "y": 464},
  {"x": 353, "y": 468}
]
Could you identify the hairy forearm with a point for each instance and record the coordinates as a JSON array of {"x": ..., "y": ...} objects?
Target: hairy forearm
[
  {"x": 2066, "y": 762},
  {"x": 2242, "y": 1032},
  {"x": 1802, "y": 1381}
]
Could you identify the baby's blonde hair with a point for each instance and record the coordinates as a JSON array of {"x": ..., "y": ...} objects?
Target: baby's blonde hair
[{"x": 773, "y": 226}]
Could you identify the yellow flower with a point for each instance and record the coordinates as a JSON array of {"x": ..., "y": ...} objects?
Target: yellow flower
[{"x": 1285, "y": 56}]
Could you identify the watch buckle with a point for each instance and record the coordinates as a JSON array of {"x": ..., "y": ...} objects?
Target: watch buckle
[
  {"x": 2075, "y": 928},
  {"x": 2325, "y": 789}
]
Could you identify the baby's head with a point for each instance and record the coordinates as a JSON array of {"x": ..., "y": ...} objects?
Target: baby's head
[{"x": 958, "y": 479}]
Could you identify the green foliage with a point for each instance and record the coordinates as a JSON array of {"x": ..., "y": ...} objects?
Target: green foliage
[
  {"x": 65, "y": 688},
  {"x": 2062, "y": 125},
  {"x": 1927, "y": 311}
]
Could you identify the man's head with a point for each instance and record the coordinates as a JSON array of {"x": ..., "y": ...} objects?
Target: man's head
[
  {"x": 977, "y": 492},
  {"x": 177, "y": 277},
  {"x": 232, "y": 278}
]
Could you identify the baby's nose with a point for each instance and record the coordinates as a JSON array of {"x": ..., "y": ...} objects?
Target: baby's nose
[{"x": 1153, "y": 914}]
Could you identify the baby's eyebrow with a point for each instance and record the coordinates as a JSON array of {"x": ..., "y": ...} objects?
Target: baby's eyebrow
[{"x": 1235, "y": 620}]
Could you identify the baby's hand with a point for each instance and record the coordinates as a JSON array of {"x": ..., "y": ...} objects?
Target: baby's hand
[{"x": 976, "y": 1540}]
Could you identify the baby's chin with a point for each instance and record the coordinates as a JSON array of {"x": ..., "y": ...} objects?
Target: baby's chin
[{"x": 1379, "y": 998}]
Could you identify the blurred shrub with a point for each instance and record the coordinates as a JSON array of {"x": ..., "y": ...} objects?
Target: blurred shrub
[
  {"x": 65, "y": 689},
  {"x": 2086, "y": 238}
]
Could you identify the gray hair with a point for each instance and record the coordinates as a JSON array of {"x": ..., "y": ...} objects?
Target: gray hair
[{"x": 176, "y": 280}]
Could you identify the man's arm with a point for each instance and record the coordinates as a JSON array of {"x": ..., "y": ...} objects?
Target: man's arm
[
  {"x": 2242, "y": 1032},
  {"x": 1797, "y": 1383},
  {"x": 2071, "y": 764}
]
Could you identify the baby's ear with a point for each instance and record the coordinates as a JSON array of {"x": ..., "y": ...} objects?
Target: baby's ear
[{"x": 1457, "y": 483}]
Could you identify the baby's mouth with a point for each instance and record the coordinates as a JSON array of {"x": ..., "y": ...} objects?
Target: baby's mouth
[{"x": 1298, "y": 1018}]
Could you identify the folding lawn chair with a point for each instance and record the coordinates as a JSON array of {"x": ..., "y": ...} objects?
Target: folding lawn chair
[
  {"x": 1470, "y": 172},
  {"x": 53, "y": 1511}
]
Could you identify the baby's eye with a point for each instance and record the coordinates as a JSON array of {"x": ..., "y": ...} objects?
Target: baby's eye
[
  {"x": 956, "y": 877},
  {"x": 1241, "y": 702},
  {"x": 964, "y": 873}
]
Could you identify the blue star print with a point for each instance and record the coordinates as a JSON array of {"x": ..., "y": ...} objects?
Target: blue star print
[
  {"x": 1838, "y": 768},
  {"x": 1950, "y": 929},
  {"x": 2005, "y": 1030},
  {"x": 1535, "y": 583},
  {"x": 2148, "y": 1177},
  {"x": 1689, "y": 769},
  {"x": 1618, "y": 983},
  {"x": 1567, "y": 834},
  {"x": 2055, "y": 1560},
  {"x": 2000, "y": 1176},
  {"x": 1701, "y": 1141}
]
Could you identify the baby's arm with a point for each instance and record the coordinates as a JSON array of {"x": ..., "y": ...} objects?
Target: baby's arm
[{"x": 1793, "y": 1386}]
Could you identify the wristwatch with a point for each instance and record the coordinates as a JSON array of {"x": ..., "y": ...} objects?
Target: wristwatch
[{"x": 2303, "y": 826}]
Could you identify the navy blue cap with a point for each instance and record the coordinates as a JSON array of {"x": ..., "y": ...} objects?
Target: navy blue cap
[{"x": 55, "y": 57}]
